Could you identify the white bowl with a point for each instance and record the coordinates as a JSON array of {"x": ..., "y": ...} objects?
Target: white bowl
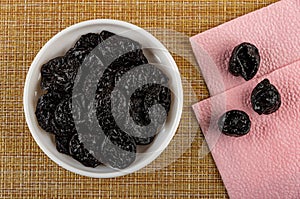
[{"x": 155, "y": 53}]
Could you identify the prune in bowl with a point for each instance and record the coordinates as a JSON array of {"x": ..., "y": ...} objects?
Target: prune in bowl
[{"x": 64, "y": 43}]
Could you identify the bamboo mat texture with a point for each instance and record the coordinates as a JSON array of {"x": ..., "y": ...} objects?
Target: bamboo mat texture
[{"x": 184, "y": 170}]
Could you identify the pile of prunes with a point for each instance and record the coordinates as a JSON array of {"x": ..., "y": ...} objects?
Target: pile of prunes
[
  {"x": 102, "y": 99},
  {"x": 265, "y": 98}
]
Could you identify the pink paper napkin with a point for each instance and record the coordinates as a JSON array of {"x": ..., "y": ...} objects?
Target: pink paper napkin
[
  {"x": 275, "y": 30},
  {"x": 266, "y": 162}
]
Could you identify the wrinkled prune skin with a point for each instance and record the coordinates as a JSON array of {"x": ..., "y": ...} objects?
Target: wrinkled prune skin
[
  {"x": 105, "y": 34},
  {"x": 144, "y": 98},
  {"x": 88, "y": 41},
  {"x": 114, "y": 46},
  {"x": 45, "y": 108},
  {"x": 58, "y": 76},
  {"x": 265, "y": 98},
  {"x": 143, "y": 87},
  {"x": 59, "y": 73},
  {"x": 139, "y": 76},
  {"x": 82, "y": 48},
  {"x": 244, "y": 61},
  {"x": 64, "y": 121},
  {"x": 118, "y": 149},
  {"x": 73, "y": 113},
  {"x": 88, "y": 76},
  {"x": 62, "y": 144},
  {"x": 144, "y": 141},
  {"x": 234, "y": 123},
  {"x": 75, "y": 57},
  {"x": 92, "y": 140},
  {"x": 106, "y": 86},
  {"x": 142, "y": 106},
  {"x": 81, "y": 154},
  {"x": 119, "y": 67}
]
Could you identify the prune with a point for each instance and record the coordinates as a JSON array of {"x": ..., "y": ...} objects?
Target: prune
[
  {"x": 91, "y": 139},
  {"x": 84, "y": 113},
  {"x": 64, "y": 121},
  {"x": 234, "y": 123},
  {"x": 143, "y": 88},
  {"x": 146, "y": 128},
  {"x": 244, "y": 61},
  {"x": 106, "y": 34},
  {"x": 62, "y": 144},
  {"x": 119, "y": 67},
  {"x": 153, "y": 94},
  {"x": 73, "y": 112},
  {"x": 265, "y": 98},
  {"x": 104, "y": 114},
  {"x": 88, "y": 76},
  {"x": 81, "y": 154},
  {"x": 118, "y": 106},
  {"x": 82, "y": 48},
  {"x": 144, "y": 134},
  {"x": 139, "y": 76},
  {"x": 106, "y": 86},
  {"x": 88, "y": 41},
  {"x": 114, "y": 47},
  {"x": 75, "y": 57},
  {"x": 144, "y": 141},
  {"x": 127, "y": 62},
  {"x": 144, "y": 98},
  {"x": 118, "y": 149},
  {"x": 58, "y": 75},
  {"x": 45, "y": 108}
]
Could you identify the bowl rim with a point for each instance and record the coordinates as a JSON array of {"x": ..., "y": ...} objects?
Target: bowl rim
[{"x": 69, "y": 167}]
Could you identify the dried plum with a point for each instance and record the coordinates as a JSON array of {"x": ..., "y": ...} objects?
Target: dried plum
[
  {"x": 265, "y": 98},
  {"x": 114, "y": 47},
  {"x": 64, "y": 121},
  {"x": 73, "y": 112},
  {"x": 62, "y": 144},
  {"x": 87, "y": 113},
  {"x": 106, "y": 34},
  {"x": 45, "y": 108},
  {"x": 58, "y": 75},
  {"x": 88, "y": 76},
  {"x": 104, "y": 114},
  {"x": 234, "y": 123},
  {"x": 118, "y": 149},
  {"x": 144, "y": 134},
  {"x": 88, "y": 41},
  {"x": 157, "y": 94},
  {"x": 82, "y": 48},
  {"x": 144, "y": 140},
  {"x": 75, "y": 57},
  {"x": 244, "y": 61},
  {"x": 139, "y": 76},
  {"x": 144, "y": 87},
  {"x": 91, "y": 139},
  {"x": 119, "y": 67},
  {"x": 118, "y": 105},
  {"x": 107, "y": 84},
  {"x": 81, "y": 154},
  {"x": 144, "y": 98}
]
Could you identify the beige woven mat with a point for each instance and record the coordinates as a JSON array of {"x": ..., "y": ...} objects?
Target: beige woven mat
[{"x": 25, "y": 26}]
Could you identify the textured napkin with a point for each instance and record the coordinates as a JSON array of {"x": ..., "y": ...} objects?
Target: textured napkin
[
  {"x": 265, "y": 163},
  {"x": 273, "y": 29}
]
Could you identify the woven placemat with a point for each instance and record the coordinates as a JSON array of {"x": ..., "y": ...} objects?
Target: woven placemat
[{"x": 183, "y": 171}]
